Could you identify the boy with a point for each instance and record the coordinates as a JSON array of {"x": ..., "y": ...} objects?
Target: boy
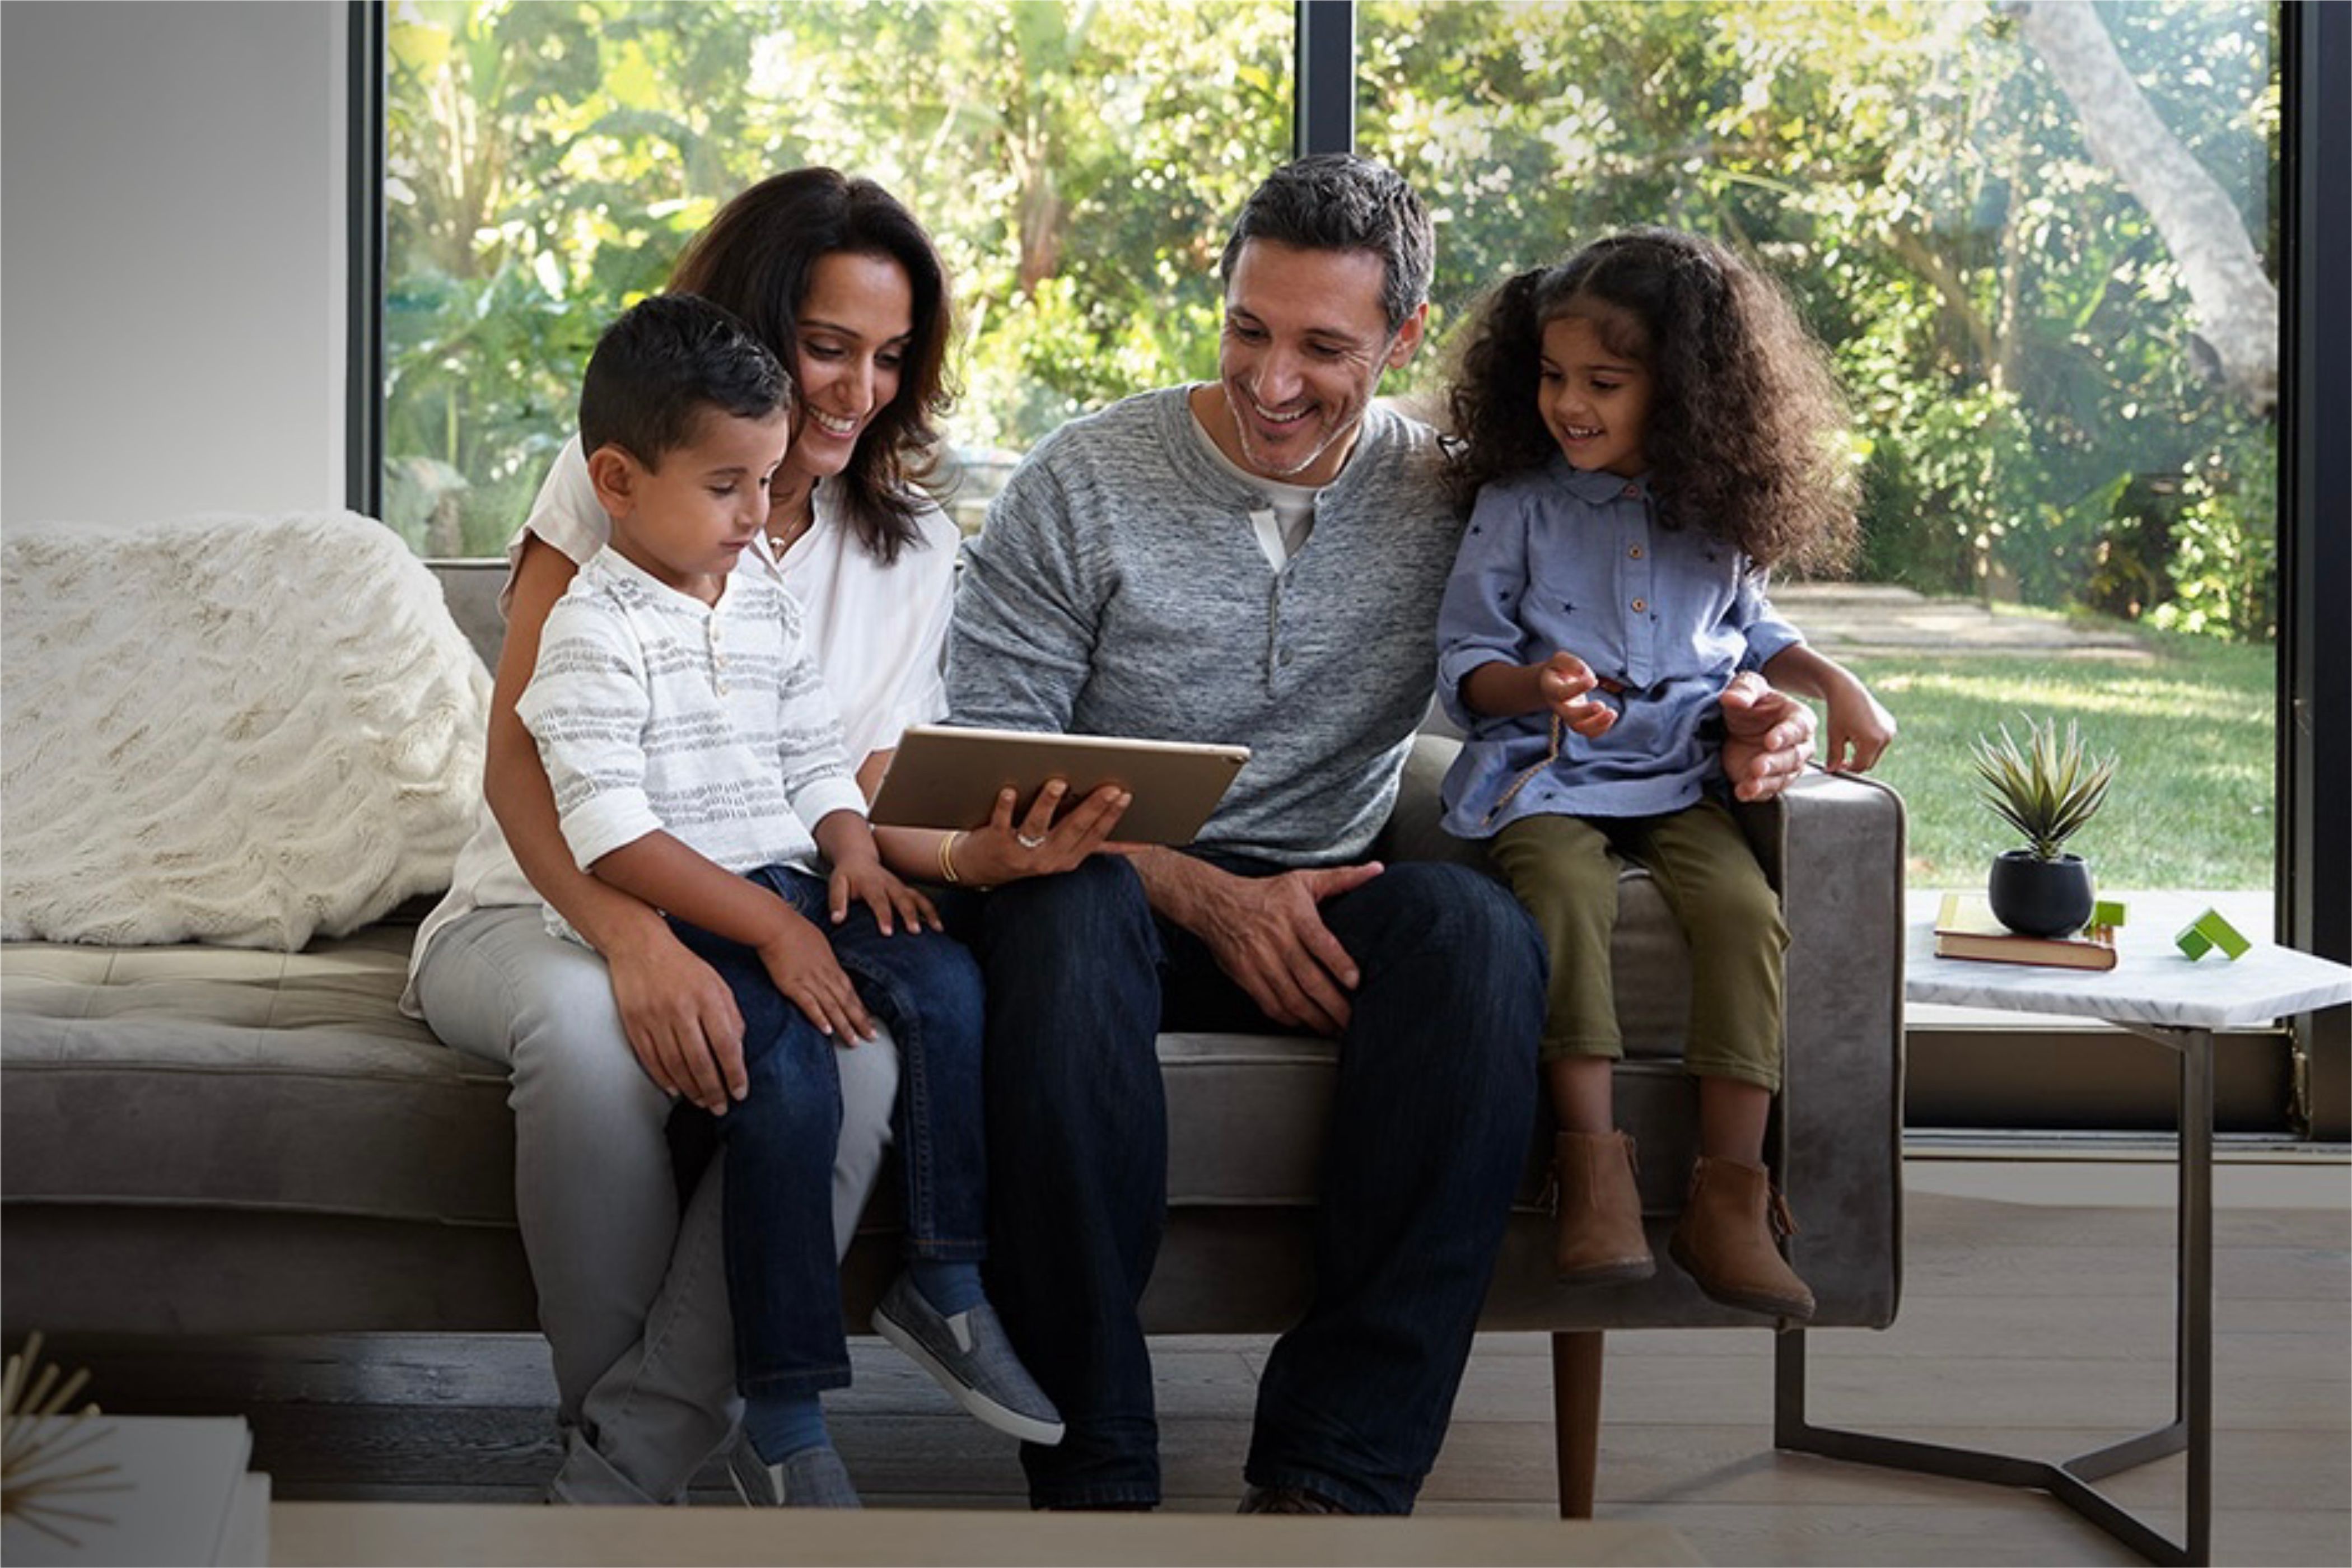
[{"x": 697, "y": 763}]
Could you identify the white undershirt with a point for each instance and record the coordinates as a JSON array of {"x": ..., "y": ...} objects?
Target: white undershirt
[{"x": 1288, "y": 516}]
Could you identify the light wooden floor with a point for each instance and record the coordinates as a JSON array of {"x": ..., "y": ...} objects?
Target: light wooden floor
[{"x": 2036, "y": 1317}]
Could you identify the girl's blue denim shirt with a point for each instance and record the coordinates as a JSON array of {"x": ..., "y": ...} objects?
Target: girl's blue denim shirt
[{"x": 1563, "y": 558}]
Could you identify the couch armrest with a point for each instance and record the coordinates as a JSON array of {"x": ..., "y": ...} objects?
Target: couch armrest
[{"x": 1833, "y": 845}]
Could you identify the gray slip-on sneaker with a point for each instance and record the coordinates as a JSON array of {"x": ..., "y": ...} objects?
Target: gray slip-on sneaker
[
  {"x": 747, "y": 1472},
  {"x": 969, "y": 1357},
  {"x": 814, "y": 1478}
]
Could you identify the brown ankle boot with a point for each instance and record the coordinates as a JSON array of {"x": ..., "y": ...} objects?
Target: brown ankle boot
[
  {"x": 1600, "y": 1211},
  {"x": 1725, "y": 1240}
]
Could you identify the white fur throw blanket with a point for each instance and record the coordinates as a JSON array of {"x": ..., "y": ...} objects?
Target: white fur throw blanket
[{"x": 235, "y": 730}]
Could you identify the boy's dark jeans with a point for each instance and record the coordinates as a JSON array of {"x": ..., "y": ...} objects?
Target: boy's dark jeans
[
  {"x": 783, "y": 1282},
  {"x": 1430, "y": 1128}
]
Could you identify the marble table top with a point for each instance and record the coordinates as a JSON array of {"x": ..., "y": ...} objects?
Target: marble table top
[{"x": 2152, "y": 982}]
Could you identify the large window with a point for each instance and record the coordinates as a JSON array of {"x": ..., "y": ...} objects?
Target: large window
[{"x": 2059, "y": 327}]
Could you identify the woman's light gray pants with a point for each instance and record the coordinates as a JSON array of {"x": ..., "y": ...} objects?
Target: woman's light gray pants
[{"x": 632, "y": 1300}]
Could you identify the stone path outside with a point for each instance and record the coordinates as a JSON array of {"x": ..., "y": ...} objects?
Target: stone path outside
[{"x": 1843, "y": 618}]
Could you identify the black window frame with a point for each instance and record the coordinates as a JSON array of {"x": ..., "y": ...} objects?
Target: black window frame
[
  {"x": 2315, "y": 647},
  {"x": 364, "y": 362}
]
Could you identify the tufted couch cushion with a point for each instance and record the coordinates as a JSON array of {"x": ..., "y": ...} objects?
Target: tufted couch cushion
[
  {"x": 225, "y": 1078},
  {"x": 221, "y": 1078}
]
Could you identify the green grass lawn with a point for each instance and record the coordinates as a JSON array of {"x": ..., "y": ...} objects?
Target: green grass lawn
[{"x": 2193, "y": 804}]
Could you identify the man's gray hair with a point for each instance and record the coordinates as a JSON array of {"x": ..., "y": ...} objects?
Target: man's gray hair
[{"x": 1342, "y": 201}]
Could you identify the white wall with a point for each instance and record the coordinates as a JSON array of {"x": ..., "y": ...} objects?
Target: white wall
[{"x": 173, "y": 286}]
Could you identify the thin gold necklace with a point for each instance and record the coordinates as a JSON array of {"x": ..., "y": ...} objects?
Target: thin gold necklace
[{"x": 783, "y": 541}]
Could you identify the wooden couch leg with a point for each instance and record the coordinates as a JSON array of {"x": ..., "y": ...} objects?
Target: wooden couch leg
[{"x": 1576, "y": 1417}]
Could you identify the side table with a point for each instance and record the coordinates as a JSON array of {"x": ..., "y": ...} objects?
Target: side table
[{"x": 2157, "y": 993}]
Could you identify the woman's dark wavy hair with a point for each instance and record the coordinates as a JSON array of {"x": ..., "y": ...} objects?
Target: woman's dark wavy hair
[
  {"x": 757, "y": 258},
  {"x": 1745, "y": 422}
]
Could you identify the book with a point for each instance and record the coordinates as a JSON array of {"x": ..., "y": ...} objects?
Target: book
[
  {"x": 177, "y": 1492},
  {"x": 245, "y": 1538},
  {"x": 1965, "y": 929}
]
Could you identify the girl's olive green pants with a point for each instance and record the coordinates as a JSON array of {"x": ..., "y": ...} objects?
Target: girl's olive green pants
[{"x": 1562, "y": 870}]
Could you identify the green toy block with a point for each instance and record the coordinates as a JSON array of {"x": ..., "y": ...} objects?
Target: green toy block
[
  {"x": 2208, "y": 931},
  {"x": 2107, "y": 913},
  {"x": 2222, "y": 934}
]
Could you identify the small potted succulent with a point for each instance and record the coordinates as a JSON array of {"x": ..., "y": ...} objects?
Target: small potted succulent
[{"x": 2046, "y": 790}]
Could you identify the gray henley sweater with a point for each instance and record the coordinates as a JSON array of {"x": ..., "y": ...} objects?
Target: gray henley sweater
[{"x": 1118, "y": 589}]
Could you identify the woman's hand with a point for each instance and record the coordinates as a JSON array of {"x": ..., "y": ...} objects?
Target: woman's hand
[
  {"x": 1038, "y": 846},
  {"x": 681, "y": 1018},
  {"x": 800, "y": 961}
]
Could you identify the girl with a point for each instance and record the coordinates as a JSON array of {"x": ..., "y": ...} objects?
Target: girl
[{"x": 1647, "y": 430}]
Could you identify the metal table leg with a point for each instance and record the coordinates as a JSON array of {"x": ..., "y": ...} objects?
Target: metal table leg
[{"x": 2070, "y": 1481}]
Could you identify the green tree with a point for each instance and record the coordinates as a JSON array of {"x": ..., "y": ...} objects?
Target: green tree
[
  {"x": 1075, "y": 162},
  {"x": 2009, "y": 321}
]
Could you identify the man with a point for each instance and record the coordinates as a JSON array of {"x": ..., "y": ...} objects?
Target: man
[{"x": 1260, "y": 560}]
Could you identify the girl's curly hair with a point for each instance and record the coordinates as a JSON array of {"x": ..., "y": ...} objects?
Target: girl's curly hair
[{"x": 1745, "y": 420}]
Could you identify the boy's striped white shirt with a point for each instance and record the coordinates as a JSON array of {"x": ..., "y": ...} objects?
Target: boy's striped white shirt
[{"x": 655, "y": 712}]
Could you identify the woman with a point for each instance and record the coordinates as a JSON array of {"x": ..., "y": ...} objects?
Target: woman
[{"x": 838, "y": 278}]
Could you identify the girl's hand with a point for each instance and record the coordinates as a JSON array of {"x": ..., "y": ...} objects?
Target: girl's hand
[
  {"x": 1562, "y": 680},
  {"x": 893, "y": 902},
  {"x": 1038, "y": 846},
  {"x": 800, "y": 961},
  {"x": 1860, "y": 728}
]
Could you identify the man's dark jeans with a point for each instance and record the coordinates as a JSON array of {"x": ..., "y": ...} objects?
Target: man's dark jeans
[
  {"x": 1430, "y": 1126},
  {"x": 778, "y": 1142}
]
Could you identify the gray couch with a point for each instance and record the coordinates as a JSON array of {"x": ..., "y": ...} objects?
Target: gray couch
[{"x": 207, "y": 1142}]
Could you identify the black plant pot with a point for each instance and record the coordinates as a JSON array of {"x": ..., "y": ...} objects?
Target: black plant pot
[{"x": 2040, "y": 898}]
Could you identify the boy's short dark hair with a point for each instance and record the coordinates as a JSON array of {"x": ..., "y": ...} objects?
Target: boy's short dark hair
[{"x": 663, "y": 363}]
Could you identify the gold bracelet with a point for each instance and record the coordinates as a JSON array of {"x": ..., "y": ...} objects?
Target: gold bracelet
[{"x": 946, "y": 857}]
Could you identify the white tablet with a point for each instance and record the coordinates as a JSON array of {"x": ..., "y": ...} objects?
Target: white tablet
[{"x": 947, "y": 777}]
